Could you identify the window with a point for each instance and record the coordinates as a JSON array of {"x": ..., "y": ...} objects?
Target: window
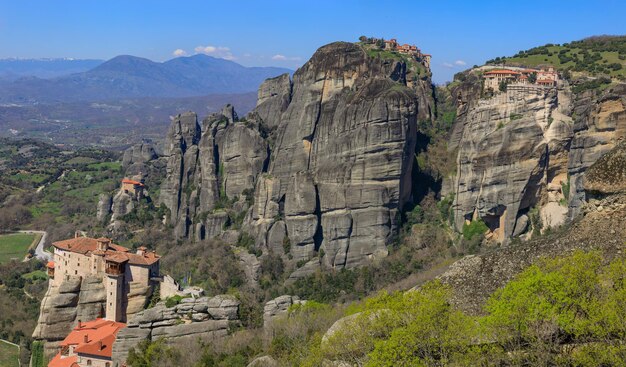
[
  {"x": 89, "y": 362},
  {"x": 108, "y": 364},
  {"x": 75, "y": 272}
]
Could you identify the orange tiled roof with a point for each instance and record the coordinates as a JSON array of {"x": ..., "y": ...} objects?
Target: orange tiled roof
[
  {"x": 148, "y": 258},
  {"x": 50, "y": 264},
  {"x": 84, "y": 245},
  {"x": 116, "y": 257},
  {"x": 116, "y": 253},
  {"x": 501, "y": 71},
  {"x": 100, "y": 335},
  {"x": 132, "y": 182},
  {"x": 59, "y": 361}
]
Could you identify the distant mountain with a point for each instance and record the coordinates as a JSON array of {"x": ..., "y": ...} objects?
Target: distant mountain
[
  {"x": 12, "y": 69},
  {"x": 135, "y": 77}
]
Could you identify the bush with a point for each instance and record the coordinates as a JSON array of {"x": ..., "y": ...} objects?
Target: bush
[
  {"x": 173, "y": 301},
  {"x": 474, "y": 228}
]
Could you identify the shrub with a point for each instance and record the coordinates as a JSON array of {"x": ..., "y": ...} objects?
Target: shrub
[{"x": 474, "y": 228}]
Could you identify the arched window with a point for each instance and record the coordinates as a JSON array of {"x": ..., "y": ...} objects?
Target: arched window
[
  {"x": 108, "y": 364},
  {"x": 89, "y": 362}
]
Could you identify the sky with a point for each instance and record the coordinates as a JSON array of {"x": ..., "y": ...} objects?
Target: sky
[{"x": 458, "y": 34}]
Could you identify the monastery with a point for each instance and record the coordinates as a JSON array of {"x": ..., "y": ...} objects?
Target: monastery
[
  {"x": 407, "y": 49},
  {"x": 90, "y": 343},
  {"x": 545, "y": 77}
]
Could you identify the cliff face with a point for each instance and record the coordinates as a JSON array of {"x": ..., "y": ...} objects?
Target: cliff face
[
  {"x": 206, "y": 163},
  {"x": 193, "y": 320},
  {"x": 598, "y": 129},
  {"x": 324, "y": 161},
  {"x": 78, "y": 299},
  {"x": 341, "y": 165},
  {"x": 513, "y": 156},
  {"x": 521, "y": 149}
]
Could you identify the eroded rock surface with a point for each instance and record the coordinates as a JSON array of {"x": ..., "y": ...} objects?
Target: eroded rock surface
[
  {"x": 340, "y": 169},
  {"x": 192, "y": 320},
  {"x": 513, "y": 154}
]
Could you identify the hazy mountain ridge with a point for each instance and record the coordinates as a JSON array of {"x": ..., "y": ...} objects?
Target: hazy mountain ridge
[
  {"x": 15, "y": 68},
  {"x": 132, "y": 77}
]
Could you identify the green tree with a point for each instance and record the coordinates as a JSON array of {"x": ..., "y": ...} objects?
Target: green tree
[
  {"x": 503, "y": 85},
  {"x": 532, "y": 78}
]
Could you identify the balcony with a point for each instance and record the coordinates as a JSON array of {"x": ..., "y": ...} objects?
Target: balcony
[{"x": 114, "y": 269}]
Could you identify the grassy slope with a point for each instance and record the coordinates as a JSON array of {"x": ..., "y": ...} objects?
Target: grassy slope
[
  {"x": 14, "y": 246},
  {"x": 8, "y": 355}
]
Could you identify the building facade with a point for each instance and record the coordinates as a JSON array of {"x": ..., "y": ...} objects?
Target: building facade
[{"x": 117, "y": 265}]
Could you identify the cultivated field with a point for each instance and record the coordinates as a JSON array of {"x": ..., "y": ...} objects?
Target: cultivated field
[{"x": 15, "y": 246}]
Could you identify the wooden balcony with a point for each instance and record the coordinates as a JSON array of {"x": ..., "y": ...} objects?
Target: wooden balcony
[{"x": 114, "y": 269}]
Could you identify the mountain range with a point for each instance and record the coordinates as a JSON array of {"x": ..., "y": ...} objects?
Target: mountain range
[{"x": 128, "y": 77}]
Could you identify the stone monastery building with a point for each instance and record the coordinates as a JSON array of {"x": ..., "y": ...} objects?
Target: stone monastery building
[
  {"x": 118, "y": 266},
  {"x": 90, "y": 343},
  {"x": 545, "y": 78}
]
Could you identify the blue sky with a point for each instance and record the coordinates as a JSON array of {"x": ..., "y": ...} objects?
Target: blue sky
[{"x": 458, "y": 34}]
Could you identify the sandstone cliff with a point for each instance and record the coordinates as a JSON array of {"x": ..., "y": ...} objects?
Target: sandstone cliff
[
  {"x": 78, "y": 299},
  {"x": 522, "y": 151},
  {"x": 208, "y": 165},
  {"x": 320, "y": 169},
  {"x": 193, "y": 320},
  {"x": 341, "y": 164}
]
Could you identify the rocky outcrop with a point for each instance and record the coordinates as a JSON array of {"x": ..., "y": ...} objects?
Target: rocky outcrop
[
  {"x": 600, "y": 125},
  {"x": 123, "y": 203},
  {"x": 513, "y": 155},
  {"x": 208, "y": 165},
  {"x": 273, "y": 99},
  {"x": 104, "y": 207},
  {"x": 325, "y": 159},
  {"x": 64, "y": 306},
  {"x": 278, "y": 306},
  {"x": 138, "y": 154},
  {"x": 608, "y": 174},
  {"x": 263, "y": 361},
  {"x": 341, "y": 163},
  {"x": 79, "y": 299},
  {"x": 192, "y": 320}
]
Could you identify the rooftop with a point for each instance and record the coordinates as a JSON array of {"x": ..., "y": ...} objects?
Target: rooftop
[
  {"x": 115, "y": 253},
  {"x": 132, "y": 182},
  {"x": 94, "y": 338}
]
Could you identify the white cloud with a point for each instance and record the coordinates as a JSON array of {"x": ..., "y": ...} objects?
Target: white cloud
[
  {"x": 279, "y": 57},
  {"x": 448, "y": 65},
  {"x": 460, "y": 63},
  {"x": 179, "y": 52},
  {"x": 217, "y": 51}
]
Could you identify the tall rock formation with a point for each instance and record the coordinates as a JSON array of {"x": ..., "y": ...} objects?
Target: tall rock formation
[
  {"x": 324, "y": 161},
  {"x": 528, "y": 148},
  {"x": 341, "y": 163},
  {"x": 601, "y": 125},
  {"x": 512, "y": 157},
  {"x": 207, "y": 165}
]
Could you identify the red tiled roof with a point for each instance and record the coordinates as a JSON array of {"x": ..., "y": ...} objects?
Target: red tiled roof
[
  {"x": 100, "y": 334},
  {"x": 59, "y": 361},
  {"x": 84, "y": 245},
  {"x": 502, "y": 71},
  {"x": 148, "y": 258},
  {"x": 116, "y": 257},
  {"x": 50, "y": 264},
  {"x": 132, "y": 182}
]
